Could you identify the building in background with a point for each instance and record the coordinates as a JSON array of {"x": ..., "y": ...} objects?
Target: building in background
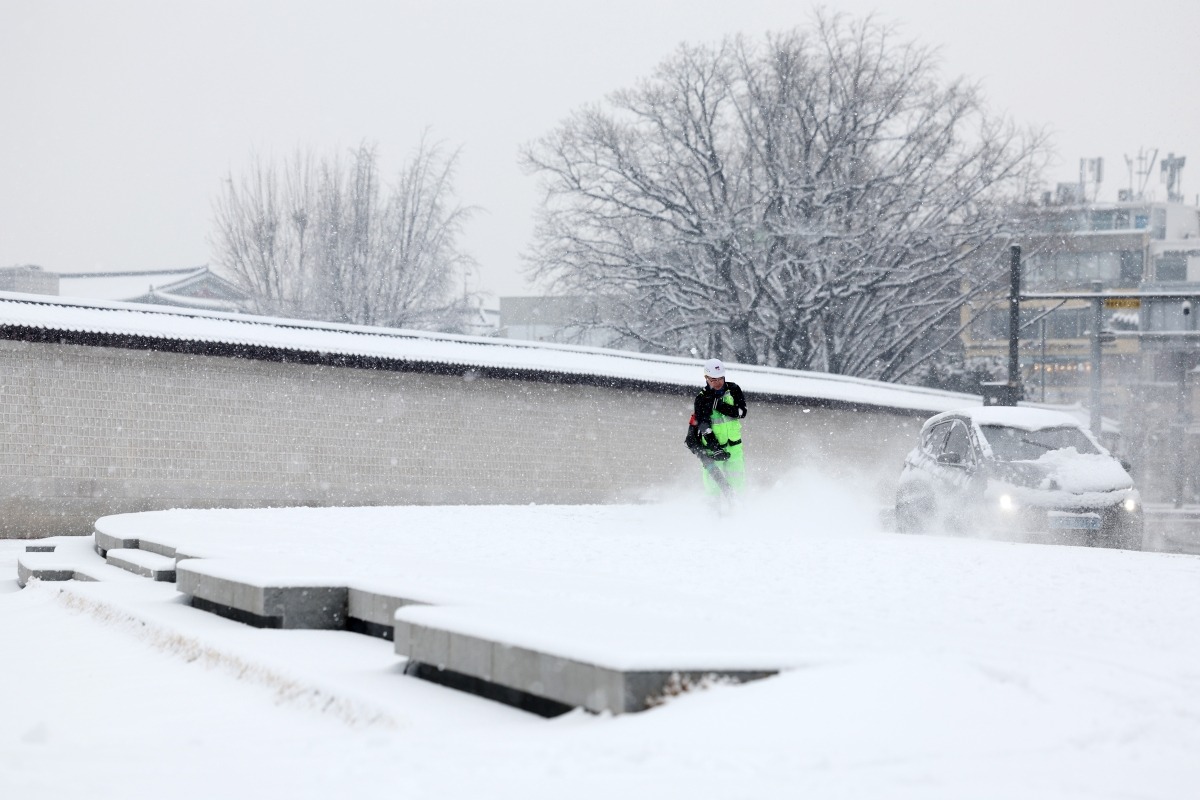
[
  {"x": 481, "y": 320},
  {"x": 1130, "y": 246},
  {"x": 191, "y": 287},
  {"x": 558, "y": 320},
  {"x": 195, "y": 287},
  {"x": 1124, "y": 246}
]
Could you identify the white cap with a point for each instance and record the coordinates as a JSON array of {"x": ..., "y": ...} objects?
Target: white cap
[{"x": 713, "y": 368}]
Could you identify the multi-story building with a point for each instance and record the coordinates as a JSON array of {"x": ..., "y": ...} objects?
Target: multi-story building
[{"x": 1130, "y": 247}]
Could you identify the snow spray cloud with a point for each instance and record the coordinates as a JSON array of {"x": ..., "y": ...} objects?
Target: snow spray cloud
[{"x": 817, "y": 503}]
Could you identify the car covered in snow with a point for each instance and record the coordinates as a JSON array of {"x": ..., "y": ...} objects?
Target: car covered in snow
[{"x": 1026, "y": 473}]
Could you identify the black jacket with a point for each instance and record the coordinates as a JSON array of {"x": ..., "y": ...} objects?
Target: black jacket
[
  {"x": 708, "y": 397},
  {"x": 699, "y": 434}
]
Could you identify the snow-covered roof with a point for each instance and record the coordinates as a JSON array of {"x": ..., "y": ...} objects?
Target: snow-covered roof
[
  {"x": 1029, "y": 419},
  {"x": 121, "y": 285},
  {"x": 99, "y": 322}
]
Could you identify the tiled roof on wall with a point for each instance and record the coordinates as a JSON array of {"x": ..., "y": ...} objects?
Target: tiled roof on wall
[{"x": 42, "y": 318}]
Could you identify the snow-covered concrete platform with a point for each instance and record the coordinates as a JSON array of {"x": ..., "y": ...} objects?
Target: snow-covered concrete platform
[
  {"x": 470, "y": 610},
  {"x": 915, "y": 665},
  {"x": 613, "y": 666},
  {"x": 593, "y": 606}
]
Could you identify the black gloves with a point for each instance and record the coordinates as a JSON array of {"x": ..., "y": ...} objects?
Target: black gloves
[
  {"x": 734, "y": 412},
  {"x": 719, "y": 454}
]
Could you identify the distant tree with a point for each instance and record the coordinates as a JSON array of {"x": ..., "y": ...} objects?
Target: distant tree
[
  {"x": 327, "y": 239},
  {"x": 813, "y": 201}
]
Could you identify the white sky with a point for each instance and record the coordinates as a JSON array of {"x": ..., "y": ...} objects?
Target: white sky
[{"x": 119, "y": 119}]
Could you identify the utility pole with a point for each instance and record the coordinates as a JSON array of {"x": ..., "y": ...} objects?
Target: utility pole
[
  {"x": 1182, "y": 416},
  {"x": 1042, "y": 326},
  {"x": 1097, "y": 325},
  {"x": 1007, "y": 393},
  {"x": 1014, "y": 323}
]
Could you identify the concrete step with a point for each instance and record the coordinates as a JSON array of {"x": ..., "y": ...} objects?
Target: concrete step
[
  {"x": 515, "y": 655},
  {"x": 49, "y": 567},
  {"x": 268, "y": 596},
  {"x": 263, "y": 595},
  {"x": 140, "y": 562},
  {"x": 104, "y": 542},
  {"x": 65, "y": 567}
]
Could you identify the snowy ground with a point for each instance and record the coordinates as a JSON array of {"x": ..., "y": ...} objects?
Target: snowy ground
[{"x": 923, "y": 667}]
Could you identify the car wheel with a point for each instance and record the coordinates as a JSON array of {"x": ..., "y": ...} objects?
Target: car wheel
[{"x": 914, "y": 515}]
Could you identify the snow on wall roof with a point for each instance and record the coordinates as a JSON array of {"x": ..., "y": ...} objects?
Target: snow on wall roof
[{"x": 18, "y": 310}]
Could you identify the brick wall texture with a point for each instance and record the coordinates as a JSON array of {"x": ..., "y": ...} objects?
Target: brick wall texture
[{"x": 89, "y": 431}]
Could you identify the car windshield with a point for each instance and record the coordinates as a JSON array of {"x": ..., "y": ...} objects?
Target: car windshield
[{"x": 1015, "y": 444}]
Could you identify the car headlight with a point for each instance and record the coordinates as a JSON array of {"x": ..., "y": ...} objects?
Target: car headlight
[
  {"x": 1130, "y": 504},
  {"x": 1007, "y": 503}
]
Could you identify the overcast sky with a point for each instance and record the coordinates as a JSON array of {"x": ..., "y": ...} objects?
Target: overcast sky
[{"x": 119, "y": 119}]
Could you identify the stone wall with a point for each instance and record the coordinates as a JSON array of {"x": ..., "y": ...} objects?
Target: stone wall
[{"x": 89, "y": 431}]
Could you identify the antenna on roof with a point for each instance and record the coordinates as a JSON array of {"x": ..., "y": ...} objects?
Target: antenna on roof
[
  {"x": 1172, "y": 170},
  {"x": 1091, "y": 175},
  {"x": 1145, "y": 165}
]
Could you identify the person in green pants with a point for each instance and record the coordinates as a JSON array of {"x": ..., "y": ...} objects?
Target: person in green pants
[{"x": 715, "y": 431}]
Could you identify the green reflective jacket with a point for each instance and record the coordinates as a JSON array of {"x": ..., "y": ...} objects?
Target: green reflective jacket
[{"x": 722, "y": 411}]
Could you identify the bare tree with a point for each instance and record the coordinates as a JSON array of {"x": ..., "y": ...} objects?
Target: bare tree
[
  {"x": 812, "y": 201},
  {"x": 326, "y": 239}
]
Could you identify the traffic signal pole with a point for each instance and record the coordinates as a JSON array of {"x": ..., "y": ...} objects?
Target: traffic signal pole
[
  {"x": 1014, "y": 323},
  {"x": 1097, "y": 354}
]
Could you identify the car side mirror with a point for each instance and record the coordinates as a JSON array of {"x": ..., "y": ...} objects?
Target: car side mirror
[{"x": 950, "y": 459}]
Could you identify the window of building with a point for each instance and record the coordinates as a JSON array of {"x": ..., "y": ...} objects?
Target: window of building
[
  {"x": 1102, "y": 220},
  {"x": 1158, "y": 223},
  {"x": 1132, "y": 264},
  {"x": 1065, "y": 323},
  {"x": 1171, "y": 267},
  {"x": 1068, "y": 323},
  {"x": 1072, "y": 270}
]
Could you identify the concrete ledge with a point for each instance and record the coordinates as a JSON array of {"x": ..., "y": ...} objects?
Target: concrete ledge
[
  {"x": 560, "y": 679},
  {"x": 261, "y": 595},
  {"x": 487, "y": 690},
  {"x": 49, "y": 567},
  {"x": 254, "y": 596},
  {"x": 373, "y": 612},
  {"x": 140, "y": 562},
  {"x": 106, "y": 541}
]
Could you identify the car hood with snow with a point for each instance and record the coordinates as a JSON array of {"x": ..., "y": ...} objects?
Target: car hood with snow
[{"x": 1067, "y": 471}]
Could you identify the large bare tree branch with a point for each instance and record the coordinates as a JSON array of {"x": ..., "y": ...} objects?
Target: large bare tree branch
[
  {"x": 813, "y": 200},
  {"x": 328, "y": 239}
]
